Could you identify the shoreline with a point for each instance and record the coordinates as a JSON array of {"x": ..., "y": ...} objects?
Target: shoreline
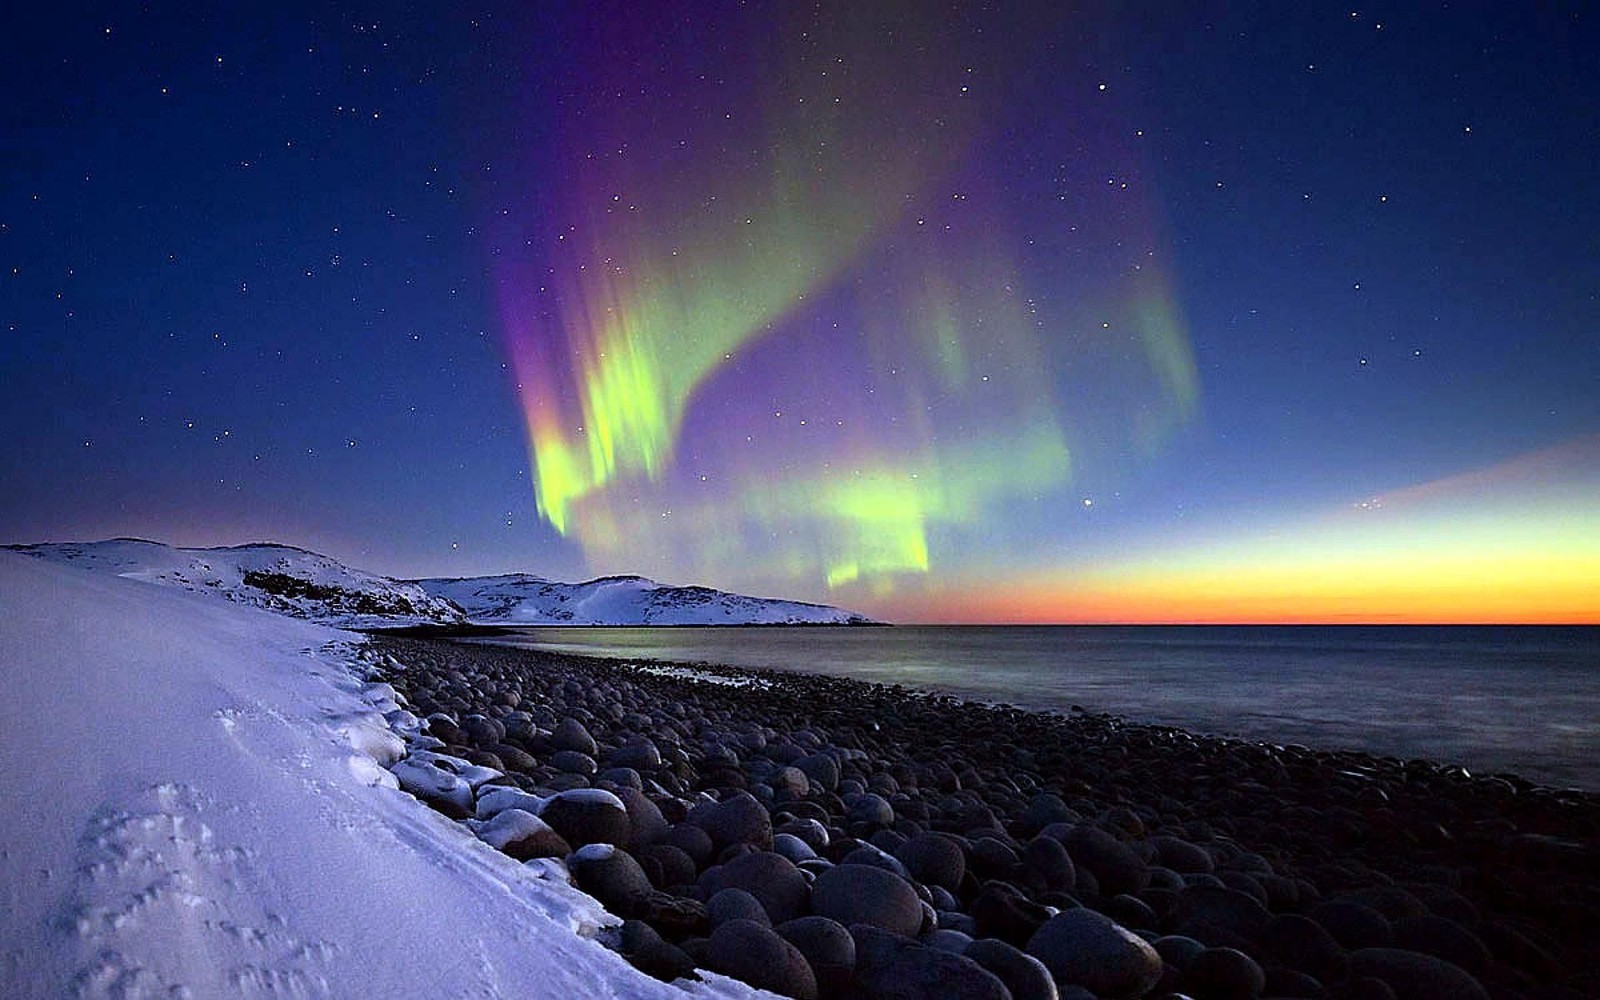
[{"x": 1508, "y": 866}]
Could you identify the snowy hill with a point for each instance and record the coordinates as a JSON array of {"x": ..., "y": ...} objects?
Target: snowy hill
[
  {"x": 277, "y": 578},
  {"x": 520, "y": 599},
  {"x": 198, "y": 806},
  {"x": 314, "y": 587}
]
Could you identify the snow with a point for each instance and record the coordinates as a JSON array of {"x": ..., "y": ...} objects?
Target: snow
[
  {"x": 317, "y": 588},
  {"x": 521, "y": 599},
  {"x": 699, "y": 676},
  {"x": 338, "y": 595},
  {"x": 196, "y": 806}
]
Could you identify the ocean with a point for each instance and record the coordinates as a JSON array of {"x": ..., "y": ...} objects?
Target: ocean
[{"x": 1524, "y": 699}]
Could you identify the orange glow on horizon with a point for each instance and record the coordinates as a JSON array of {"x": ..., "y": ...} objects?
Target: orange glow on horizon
[{"x": 1515, "y": 543}]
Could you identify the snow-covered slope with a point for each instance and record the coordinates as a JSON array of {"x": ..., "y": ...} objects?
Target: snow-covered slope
[
  {"x": 194, "y": 805},
  {"x": 519, "y": 599},
  {"x": 274, "y": 577}
]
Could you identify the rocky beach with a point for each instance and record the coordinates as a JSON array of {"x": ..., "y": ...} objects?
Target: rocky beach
[{"x": 824, "y": 837}]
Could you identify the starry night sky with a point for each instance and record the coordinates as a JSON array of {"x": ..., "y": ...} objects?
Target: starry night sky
[{"x": 1242, "y": 312}]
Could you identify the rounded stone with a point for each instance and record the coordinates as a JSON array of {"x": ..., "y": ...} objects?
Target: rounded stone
[
  {"x": 935, "y": 859},
  {"x": 609, "y": 875},
  {"x": 1223, "y": 974},
  {"x": 573, "y": 762},
  {"x": 1301, "y": 943},
  {"x": 758, "y": 956},
  {"x": 862, "y": 894},
  {"x": 1046, "y": 857},
  {"x": 1088, "y": 949},
  {"x": 892, "y": 967},
  {"x": 645, "y": 949},
  {"x": 1024, "y": 976},
  {"x": 587, "y": 816},
  {"x": 1117, "y": 869},
  {"x": 1181, "y": 856},
  {"x": 872, "y": 809},
  {"x": 821, "y": 770},
  {"x": 639, "y": 753},
  {"x": 738, "y": 819},
  {"x": 522, "y": 835},
  {"x": 1353, "y": 925},
  {"x": 736, "y": 904},
  {"x": 570, "y": 734},
  {"x": 828, "y": 948},
  {"x": 646, "y": 825},
  {"x": 1415, "y": 976},
  {"x": 770, "y": 878}
]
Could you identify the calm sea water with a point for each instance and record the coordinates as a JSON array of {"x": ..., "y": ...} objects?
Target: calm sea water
[{"x": 1521, "y": 699}]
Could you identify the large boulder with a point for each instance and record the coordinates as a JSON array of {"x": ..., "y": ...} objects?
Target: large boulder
[
  {"x": 521, "y": 835},
  {"x": 738, "y": 819},
  {"x": 890, "y": 967},
  {"x": 1084, "y": 948},
  {"x": 1415, "y": 976},
  {"x": 771, "y": 878},
  {"x": 933, "y": 859},
  {"x": 587, "y": 816},
  {"x": 863, "y": 894},
  {"x": 758, "y": 956},
  {"x": 828, "y": 948},
  {"x": 611, "y": 876}
]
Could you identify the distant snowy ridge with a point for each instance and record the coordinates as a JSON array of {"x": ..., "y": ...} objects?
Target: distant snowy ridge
[
  {"x": 313, "y": 587},
  {"x": 521, "y": 599},
  {"x": 273, "y": 577}
]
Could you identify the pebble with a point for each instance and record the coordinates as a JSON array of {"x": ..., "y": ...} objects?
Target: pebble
[{"x": 998, "y": 819}]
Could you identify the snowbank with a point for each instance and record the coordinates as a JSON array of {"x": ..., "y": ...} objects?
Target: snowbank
[{"x": 194, "y": 807}]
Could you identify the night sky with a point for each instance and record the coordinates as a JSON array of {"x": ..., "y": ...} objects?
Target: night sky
[{"x": 1138, "y": 312}]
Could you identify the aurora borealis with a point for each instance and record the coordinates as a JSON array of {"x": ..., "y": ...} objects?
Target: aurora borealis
[{"x": 1235, "y": 313}]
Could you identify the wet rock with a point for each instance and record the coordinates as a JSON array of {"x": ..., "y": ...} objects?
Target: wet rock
[
  {"x": 1223, "y": 974},
  {"x": 587, "y": 816},
  {"x": 757, "y": 955},
  {"x": 738, "y": 819},
  {"x": 828, "y": 948},
  {"x": 1415, "y": 976},
  {"x": 646, "y": 951},
  {"x": 1301, "y": 943},
  {"x": 1024, "y": 976},
  {"x": 572, "y": 735},
  {"x": 1116, "y": 868},
  {"x": 1087, "y": 949},
  {"x": 735, "y": 904},
  {"x": 522, "y": 835},
  {"x": 769, "y": 878},
  {"x": 935, "y": 859},
  {"x": 861, "y": 894},
  {"x": 610, "y": 875},
  {"x": 891, "y": 967},
  {"x": 1000, "y": 911}
]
